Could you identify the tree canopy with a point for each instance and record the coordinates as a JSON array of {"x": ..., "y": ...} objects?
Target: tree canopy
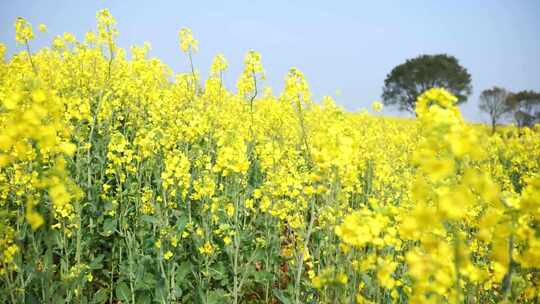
[
  {"x": 526, "y": 107},
  {"x": 494, "y": 102},
  {"x": 410, "y": 79}
]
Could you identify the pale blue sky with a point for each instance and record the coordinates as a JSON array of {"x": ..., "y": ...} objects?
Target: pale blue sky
[{"x": 348, "y": 46}]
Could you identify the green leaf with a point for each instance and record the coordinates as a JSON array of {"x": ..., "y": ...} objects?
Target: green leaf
[
  {"x": 58, "y": 298},
  {"x": 181, "y": 222},
  {"x": 279, "y": 294},
  {"x": 83, "y": 300},
  {"x": 217, "y": 296},
  {"x": 109, "y": 226},
  {"x": 218, "y": 271},
  {"x": 144, "y": 298},
  {"x": 147, "y": 281},
  {"x": 160, "y": 294},
  {"x": 96, "y": 262},
  {"x": 100, "y": 296},
  {"x": 177, "y": 292},
  {"x": 262, "y": 276},
  {"x": 149, "y": 219},
  {"x": 122, "y": 292},
  {"x": 30, "y": 298},
  {"x": 183, "y": 271},
  {"x": 259, "y": 254}
]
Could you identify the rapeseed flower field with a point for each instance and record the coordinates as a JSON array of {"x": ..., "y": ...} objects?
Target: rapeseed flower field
[{"x": 123, "y": 182}]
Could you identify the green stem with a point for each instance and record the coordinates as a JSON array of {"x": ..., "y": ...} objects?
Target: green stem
[
  {"x": 304, "y": 249},
  {"x": 30, "y": 56},
  {"x": 457, "y": 261}
]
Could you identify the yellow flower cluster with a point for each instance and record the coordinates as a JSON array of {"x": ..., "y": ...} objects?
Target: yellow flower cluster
[
  {"x": 106, "y": 27},
  {"x": 23, "y": 31},
  {"x": 377, "y": 106},
  {"x": 187, "y": 42},
  {"x": 122, "y": 180},
  {"x": 459, "y": 228},
  {"x": 247, "y": 83},
  {"x": 219, "y": 65},
  {"x": 8, "y": 250},
  {"x": 176, "y": 174},
  {"x": 329, "y": 277}
]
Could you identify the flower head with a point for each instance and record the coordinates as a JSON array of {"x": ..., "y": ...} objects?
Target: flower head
[
  {"x": 23, "y": 31},
  {"x": 377, "y": 106},
  {"x": 187, "y": 42}
]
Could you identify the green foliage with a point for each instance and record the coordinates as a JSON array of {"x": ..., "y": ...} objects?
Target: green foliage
[
  {"x": 494, "y": 102},
  {"x": 408, "y": 80},
  {"x": 526, "y": 107}
]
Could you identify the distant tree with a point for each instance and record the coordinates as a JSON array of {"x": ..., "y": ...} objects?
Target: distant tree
[
  {"x": 494, "y": 102},
  {"x": 526, "y": 107},
  {"x": 410, "y": 79}
]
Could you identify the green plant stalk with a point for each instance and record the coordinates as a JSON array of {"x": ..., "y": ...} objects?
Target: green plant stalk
[
  {"x": 112, "y": 273},
  {"x": 507, "y": 280},
  {"x": 30, "y": 56},
  {"x": 300, "y": 260},
  {"x": 195, "y": 83},
  {"x": 236, "y": 288},
  {"x": 457, "y": 261},
  {"x": 11, "y": 288}
]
